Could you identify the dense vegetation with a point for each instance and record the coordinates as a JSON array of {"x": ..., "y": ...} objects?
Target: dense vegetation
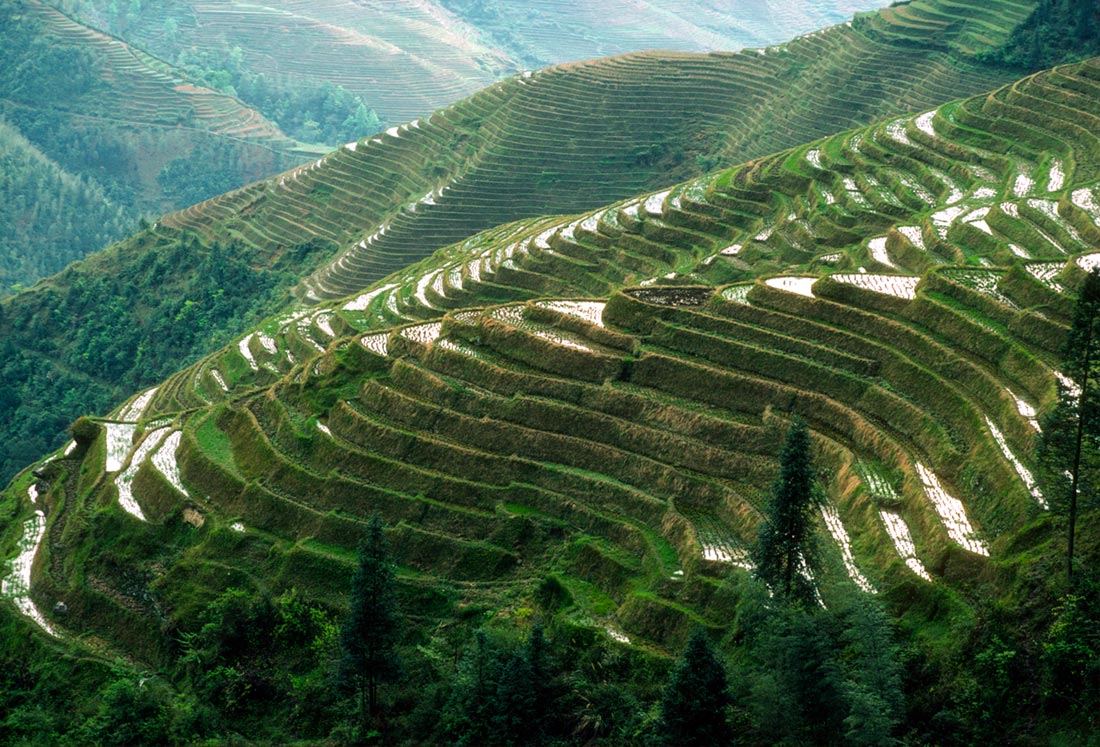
[
  {"x": 94, "y": 135},
  {"x": 50, "y": 216},
  {"x": 73, "y": 346},
  {"x": 313, "y": 111},
  {"x": 1056, "y": 31}
]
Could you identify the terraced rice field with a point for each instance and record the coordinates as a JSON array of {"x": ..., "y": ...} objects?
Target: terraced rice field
[
  {"x": 520, "y": 401},
  {"x": 410, "y": 58},
  {"x": 669, "y": 456},
  {"x": 766, "y": 208},
  {"x": 575, "y": 137},
  {"x": 144, "y": 91}
]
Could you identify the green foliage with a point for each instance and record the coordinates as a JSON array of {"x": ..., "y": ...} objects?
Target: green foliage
[
  {"x": 372, "y": 629},
  {"x": 50, "y": 215},
  {"x": 1056, "y": 31},
  {"x": 784, "y": 553},
  {"x": 1071, "y": 652},
  {"x": 189, "y": 179},
  {"x": 470, "y": 713},
  {"x": 1068, "y": 451},
  {"x": 111, "y": 334},
  {"x": 503, "y": 695},
  {"x": 130, "y": 713},
  {"x": 311, "y": 111},
  {"x": 35, "y": 67},
  {"x": 813, "y": 677},
  {"x": 694, "y": 707},
  {"x": 250, "y": 651}
]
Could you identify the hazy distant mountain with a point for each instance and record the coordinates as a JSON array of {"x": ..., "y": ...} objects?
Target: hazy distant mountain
[{"x": 408, "y": 57}]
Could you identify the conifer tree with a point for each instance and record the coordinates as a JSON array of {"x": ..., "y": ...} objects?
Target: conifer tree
[
  {"x": 784, "y": 547},
  {"x": 514, "y": 720},
  {"x": 471, "y": 713},
  {"x": 696, "y": 700},
  {"x": 1066, "y": 465},
  {"x": 369, "y": 634}
]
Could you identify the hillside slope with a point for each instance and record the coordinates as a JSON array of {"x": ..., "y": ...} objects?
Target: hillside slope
[
  {"x": 409, "y": 58},
  {"x": 904, "y": 287},
  {"x": 50, "y": 216},
  {"x": 122, "y": 122},
  {"x": 560, "y": 140}
]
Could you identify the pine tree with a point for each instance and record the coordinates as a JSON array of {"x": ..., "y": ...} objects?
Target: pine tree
[
  {"x": 536, "y": 652},
  {"x": 369, "y": 634},
  {"x": 514, "y": 721},
  {"x": 784, "y": 551},
  {"x": 696, "y": 700},
  {"x": 471, "y": 711},
  {"x": 1075, "y": 420}
]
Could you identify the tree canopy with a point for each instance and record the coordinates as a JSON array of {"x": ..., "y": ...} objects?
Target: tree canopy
[
  {"x": 371, "y": 631},
  {"x": 1069, "y": 447},
  {"x": 695, "y": 704},
  {"x": 784, "y": 553}
]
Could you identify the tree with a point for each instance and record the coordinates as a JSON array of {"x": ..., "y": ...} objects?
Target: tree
[
  {"x": 369, "y": 635},
  {"x": 501, "y": 694},
  {"x": 872, "y": 673},
  {"x": 524, "y": 693},
  {"x": 1065, "y": 466},
  {"x": 469, "y": 715},
  {"x": 784, "y": 553},
  {"x": 696, "y": 700}
]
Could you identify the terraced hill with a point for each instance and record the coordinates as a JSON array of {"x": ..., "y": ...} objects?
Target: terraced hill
[
  {"x": 115, "y": 116},
  {"x": 537, "y": 143},
  {"x": 409, "y": 58},
  {"x": 592, "y": 397},
  {"x": 560, "y": 140}
]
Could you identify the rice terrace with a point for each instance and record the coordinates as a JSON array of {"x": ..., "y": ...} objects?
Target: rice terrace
[{"x": 679, "y": 373}]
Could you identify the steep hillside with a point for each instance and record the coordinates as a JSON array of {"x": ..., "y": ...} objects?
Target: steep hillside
[
  {"x": 590, "y": 399},
  {"x": 127, "y": 125},
  {"x": 560, "y": 140},
  {"x": 408, "y": 58},
  {"x": 34, "y": 192}
]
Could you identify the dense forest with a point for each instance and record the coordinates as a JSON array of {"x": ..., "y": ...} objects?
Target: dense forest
[
  {"x": 1058, "y": 31},
  {"x": 50, "y": 216},
  {"x": 310, "y": 111}
]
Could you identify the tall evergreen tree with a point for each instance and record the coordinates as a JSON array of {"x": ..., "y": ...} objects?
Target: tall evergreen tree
[
  {"x": 369, "y": 634},
  {"x": 784, "y": 551},
  {"x": 694, "y": 707},
  {"x": 470, "y": 715},
  {"x": 1066, "y": 465}
]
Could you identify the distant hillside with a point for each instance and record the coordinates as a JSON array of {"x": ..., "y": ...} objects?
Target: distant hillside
[
  {"x": 50, "y": 216},
  {"x": 126, "y": 126},
  {"x": 561, "y": 140},
  {"x": 1056, "y": 30},
  {"x": 577, "y": 418},
  {"x": 408, "y": 58}
]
